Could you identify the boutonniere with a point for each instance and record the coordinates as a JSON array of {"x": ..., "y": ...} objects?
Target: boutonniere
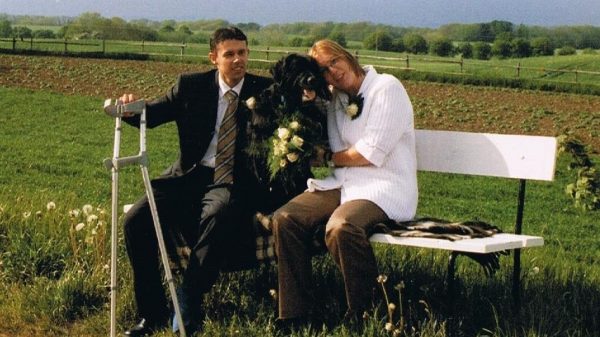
[{"x": 355, "y": 105}]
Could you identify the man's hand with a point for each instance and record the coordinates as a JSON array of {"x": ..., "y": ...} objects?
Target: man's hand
[{"x": 127, "y": 98}]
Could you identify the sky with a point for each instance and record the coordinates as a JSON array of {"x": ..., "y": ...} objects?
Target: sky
[{"x": 405, "y": 13}]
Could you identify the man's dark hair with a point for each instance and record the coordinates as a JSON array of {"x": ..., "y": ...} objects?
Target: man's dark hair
[{"x": 228, "y": 33}]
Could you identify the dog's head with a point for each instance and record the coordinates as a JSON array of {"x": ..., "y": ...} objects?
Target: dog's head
[{"x": 298, "y": 79}]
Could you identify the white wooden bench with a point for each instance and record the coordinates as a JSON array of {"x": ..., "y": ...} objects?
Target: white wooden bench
[{"x": 483, "y": 154}]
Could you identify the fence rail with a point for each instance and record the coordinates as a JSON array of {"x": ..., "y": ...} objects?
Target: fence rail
[{"x": 404, "y": 62}]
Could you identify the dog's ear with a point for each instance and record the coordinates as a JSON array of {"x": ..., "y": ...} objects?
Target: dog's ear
[{"x": 277, "y": 70}]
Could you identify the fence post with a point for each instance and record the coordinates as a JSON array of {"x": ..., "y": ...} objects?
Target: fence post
[
  {"x": 518, "y": 69},
  {"x": 142, "y": 46},
  {"x": 65, "y": 51},
  {"x": 462, "y": 62},
  {"x": 356, "y": 55},
  {"x": 576, "y": 74},
  {"x": 267, "y": 53},
  {"x": 31, "y": 43},
  {"x": 14, "y": 43},
  {"x": 103, "y": 46},
  {"x": 407, "y": 62},
  {"x": 182, "y": 48}
]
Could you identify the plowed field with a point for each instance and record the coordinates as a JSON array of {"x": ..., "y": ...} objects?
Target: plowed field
[{"x": 437, "y": 106}]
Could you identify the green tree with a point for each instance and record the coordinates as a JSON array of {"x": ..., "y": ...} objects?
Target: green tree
[
  {"x": 415, "y": 43},
  {"x": 339, "y": 37},
  {"x": 22, "y": 32},
  {"x": 542, "y": 46},
  {"x": 482, "y": 50},
  {"x": 466, "y": 50},
  {"x": 379, "y": 40},
  {"x": 501, "y": 48},
  {"x": 44, "y": 34},
  {"x": 521, "y": 48},
  {"x": 398, "y": 45},
  {"x": 5, "y": 28},
  {"x": 441, "y": 46}
]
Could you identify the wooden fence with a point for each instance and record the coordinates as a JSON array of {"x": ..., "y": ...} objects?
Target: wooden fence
[{"x": 268, "y": 55}]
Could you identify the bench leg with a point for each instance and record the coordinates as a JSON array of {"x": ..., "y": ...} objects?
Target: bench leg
[
  {"x": 451, "y": 291},
  {"x": 516, "y": 287}
]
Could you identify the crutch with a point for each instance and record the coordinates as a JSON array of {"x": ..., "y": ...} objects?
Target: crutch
[{"x": 117, "y": 110}]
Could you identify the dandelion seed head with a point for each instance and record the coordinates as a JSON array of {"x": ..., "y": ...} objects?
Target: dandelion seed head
[
  {"x": 91, "y": 218},
  {"x": 535, "y": 270},
  {"x": 382, "y": 279},
  {"x": 389, "y": 326},
  {"x": 391, "y": 307},
  {"x": 87, "y": 209},
  {"x": 26, "y": 215},
  {"x": 79, "y": 226},
  {"x": 74, "y": 213},
  {"x": 51, "y": 206}
]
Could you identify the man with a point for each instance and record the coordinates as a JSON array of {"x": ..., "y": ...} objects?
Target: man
[{"x": 209, "y": 194}]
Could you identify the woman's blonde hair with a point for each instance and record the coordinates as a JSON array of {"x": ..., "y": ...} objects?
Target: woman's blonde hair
[{"x": 333, "y": 49}]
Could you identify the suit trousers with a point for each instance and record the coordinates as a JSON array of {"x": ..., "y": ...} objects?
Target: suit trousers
[
  {"x": 346, "y": 228},
  {"x": 201, "y": 213}
]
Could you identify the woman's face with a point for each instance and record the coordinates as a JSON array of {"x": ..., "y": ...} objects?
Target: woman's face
[{"x": 337, "y": 72}]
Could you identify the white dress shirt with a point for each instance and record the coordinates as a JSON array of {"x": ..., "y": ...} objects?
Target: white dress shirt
[
  {"x": 209, "y": 157},
  {"x": 384, "y": 134}
]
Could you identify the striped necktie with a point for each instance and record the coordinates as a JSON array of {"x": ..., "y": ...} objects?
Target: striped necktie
[{"x": 226, "y": 142}]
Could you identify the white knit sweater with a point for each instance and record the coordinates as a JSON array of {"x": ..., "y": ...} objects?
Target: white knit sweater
[{"x": 384, "y": 135}]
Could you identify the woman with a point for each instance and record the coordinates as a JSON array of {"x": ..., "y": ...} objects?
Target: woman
[{"x": 374, "y": 179}]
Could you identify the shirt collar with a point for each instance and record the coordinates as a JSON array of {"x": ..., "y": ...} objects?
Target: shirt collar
[
  {"x": 370, "y": 74},
  {"x": 223, "y": 87}
]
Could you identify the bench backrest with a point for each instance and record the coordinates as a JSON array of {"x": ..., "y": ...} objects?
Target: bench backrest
[{"x": 508, "y": 156}]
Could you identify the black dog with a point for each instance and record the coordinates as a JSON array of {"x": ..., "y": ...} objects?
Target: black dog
[{"x": 297, "y": 85}]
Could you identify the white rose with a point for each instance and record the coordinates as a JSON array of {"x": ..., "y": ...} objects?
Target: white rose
[
  {"x": 292, "y": 157},
  {"x": 352, "y": 110},
  {"x": 283, "y": 149},
  {"x": 283, "y": 133},
  {"x": 294, "y": 125},
  {"x": 297, "y": 141},
  {"x": 282, "y": 163},
  {"x": 251, "y": 103}
]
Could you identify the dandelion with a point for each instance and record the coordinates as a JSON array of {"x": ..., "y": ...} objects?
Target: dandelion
[
  {"x": 26, "y": 215},
  {"x": 396, "y": 333},
  {"x": 106, "y": 267},
  {"x": 273, "y": 293},
  {"x": 87, "y": 209},
  {"x": 38, "y": 214},
  {"x": 79, "y": 226},
  {"x": 535, "y": 270},
  {"x": 51, "y": 206},
  {"x": 382, "y": 279},
  {"x": 391, "y": 307},
  {"x": 283, "y": 133},
  {"x": 292, "y": 157},
  {"x": 389, "y": 326},
  {"x": 74, "y": 213},
  {"x": 294, "y": 125},
  {"x": 94, "y": 232},
  {"x": 297, "y": 141},
  {"x": 92, "y": 218}
]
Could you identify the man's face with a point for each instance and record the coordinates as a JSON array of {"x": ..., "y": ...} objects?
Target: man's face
[{"x": 231, "y": 58}]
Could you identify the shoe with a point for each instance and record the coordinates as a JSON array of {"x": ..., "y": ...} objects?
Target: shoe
[{"x": 143, "y": 328}]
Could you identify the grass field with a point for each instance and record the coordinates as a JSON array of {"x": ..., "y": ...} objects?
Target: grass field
[{"x": 53, "y": 137}]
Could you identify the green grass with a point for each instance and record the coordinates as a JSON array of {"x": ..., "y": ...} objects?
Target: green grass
[{"x": 52, "y": 147}]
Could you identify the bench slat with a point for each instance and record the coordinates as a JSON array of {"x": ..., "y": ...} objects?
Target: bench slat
[
  {"x": 491, "y": 244},
  {"x": 508, "y": 156}
]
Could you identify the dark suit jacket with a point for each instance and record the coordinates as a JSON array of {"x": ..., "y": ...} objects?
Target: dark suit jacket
[{"x": 192, "y": 103}]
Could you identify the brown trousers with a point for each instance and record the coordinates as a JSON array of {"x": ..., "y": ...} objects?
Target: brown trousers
[{"x": 294, "y": 225}]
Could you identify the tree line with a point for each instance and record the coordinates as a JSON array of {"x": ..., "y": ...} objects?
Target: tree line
[{"x": 497, "y": 38}]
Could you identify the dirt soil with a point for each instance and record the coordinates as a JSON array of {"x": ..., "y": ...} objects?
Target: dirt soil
[{"x": 436, "y": 106}]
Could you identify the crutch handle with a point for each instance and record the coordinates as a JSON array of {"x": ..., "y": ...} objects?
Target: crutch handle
[
  {"x": 117, "y": 163},
  {"x": 115, "y": 108}
]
